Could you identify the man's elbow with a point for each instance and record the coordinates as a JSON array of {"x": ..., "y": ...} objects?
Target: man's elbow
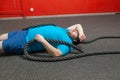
[
  {"x": 79, "y": 25},
  {"x": 57, "y": 53}
]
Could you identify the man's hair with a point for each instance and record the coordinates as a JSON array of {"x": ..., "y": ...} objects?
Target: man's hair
[{"x": 76, "y": 42}]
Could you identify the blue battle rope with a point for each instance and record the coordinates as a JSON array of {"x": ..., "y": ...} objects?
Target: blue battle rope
[{"x": 54, "y": 59}]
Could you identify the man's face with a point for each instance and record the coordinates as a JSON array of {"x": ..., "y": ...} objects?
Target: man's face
[{"x": 74, "y": 34}]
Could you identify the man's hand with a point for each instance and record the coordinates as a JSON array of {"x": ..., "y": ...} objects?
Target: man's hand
[{"x": 82, "y": 37}]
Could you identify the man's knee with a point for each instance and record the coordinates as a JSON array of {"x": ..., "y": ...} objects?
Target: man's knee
[
  {"x": 3, "y": 36},
  {"x": 1, "y": 48}
]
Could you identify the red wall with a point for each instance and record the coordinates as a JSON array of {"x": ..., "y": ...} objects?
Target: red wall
[
  {"x": 56, "y": 7},
  {"x": 10, "y": 7},
  {"x": 103, "y": 6},
  {"x": 53, "y": 7}
]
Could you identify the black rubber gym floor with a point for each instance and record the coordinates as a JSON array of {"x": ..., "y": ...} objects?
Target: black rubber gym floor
[{"x": 102, "y": 67}]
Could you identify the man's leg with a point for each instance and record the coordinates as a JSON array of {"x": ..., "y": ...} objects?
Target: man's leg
[
  {"x": 3, "y": 36},
  {"x": 1, "y": 48}
]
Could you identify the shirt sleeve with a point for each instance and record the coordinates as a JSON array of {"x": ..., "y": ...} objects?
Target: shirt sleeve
[{"x": 64, "y": 49}]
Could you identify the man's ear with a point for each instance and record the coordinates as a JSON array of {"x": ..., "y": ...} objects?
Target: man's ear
[{"x": 75, "y": 40}]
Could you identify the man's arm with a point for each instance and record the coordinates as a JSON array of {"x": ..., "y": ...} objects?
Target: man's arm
[
  {"x": 52, "y": 50},
  {"x": 79, "y": 28}
]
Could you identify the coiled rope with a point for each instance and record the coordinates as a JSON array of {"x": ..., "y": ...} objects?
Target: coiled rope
[
  {"x": 40, "y": 25},
  {"x": 82, "y": 54}
]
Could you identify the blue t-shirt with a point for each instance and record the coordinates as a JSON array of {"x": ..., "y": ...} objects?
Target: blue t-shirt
[{"x": 50, "y": 32}]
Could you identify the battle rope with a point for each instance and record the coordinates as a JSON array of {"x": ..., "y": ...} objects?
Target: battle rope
[
  {"x": 54, "y": 59},
  {"x": 40, "y": 25}
]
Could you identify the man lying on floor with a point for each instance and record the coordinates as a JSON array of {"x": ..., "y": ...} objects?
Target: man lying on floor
[{"x": 14, "y": 42}]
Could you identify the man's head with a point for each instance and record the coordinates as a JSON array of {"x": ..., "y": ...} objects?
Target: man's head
[
  {"x": 73, "y": 33},
  {"x": 76, "y": 33}
]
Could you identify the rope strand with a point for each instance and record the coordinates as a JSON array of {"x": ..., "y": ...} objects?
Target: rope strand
[{"x": 45, "y": 59}]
